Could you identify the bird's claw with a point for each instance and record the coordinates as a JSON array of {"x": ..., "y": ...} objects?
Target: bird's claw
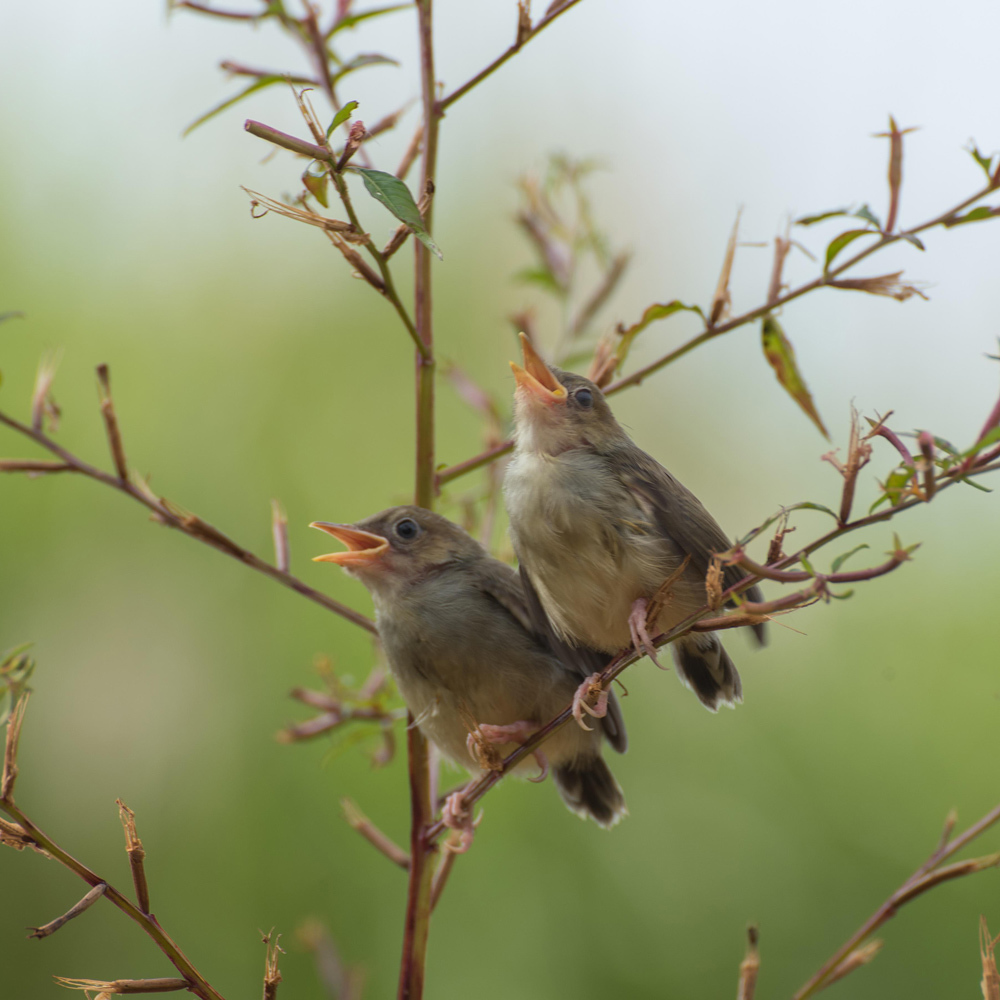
[
  {"x": 457, "y": 816},
  {"x": 590, "y": 688},
  {"x": 641, "y": 641},
  {"x": 516, "y": 732}
]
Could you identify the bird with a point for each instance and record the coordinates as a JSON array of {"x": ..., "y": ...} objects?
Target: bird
[
  {"x": 598, "y": 526},
  {"x": 469, "y": 662}
]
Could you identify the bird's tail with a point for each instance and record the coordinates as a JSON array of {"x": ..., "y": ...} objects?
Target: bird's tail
[
  {"x": 588, "y": 788},
  {"x": 704, "y": 666}
]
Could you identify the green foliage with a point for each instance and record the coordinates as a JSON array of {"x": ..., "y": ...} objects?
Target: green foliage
[{"x": 390, "y": 191}]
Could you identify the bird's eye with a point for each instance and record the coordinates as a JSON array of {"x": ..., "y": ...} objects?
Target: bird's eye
[
  {"x": 584, "y": 398},
  {"x": 407, "y": 529}
]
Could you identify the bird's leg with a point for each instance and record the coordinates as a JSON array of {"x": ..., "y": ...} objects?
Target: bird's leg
[
  {"x": 590, "y": 688},
  {"x": 516, "y": 732},
  {"x": 637, "y": 628},
  {"x": 456, "y": 815}
]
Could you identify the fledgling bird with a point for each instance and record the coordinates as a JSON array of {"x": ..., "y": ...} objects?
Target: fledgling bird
[
  {"x": 458, "y": 636},
  {"x": 598, "y": 525}
]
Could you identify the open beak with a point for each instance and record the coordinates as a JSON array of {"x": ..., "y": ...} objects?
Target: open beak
[
  {"x": 536, "y": 377},
  {"x": 363, "y": 548}
]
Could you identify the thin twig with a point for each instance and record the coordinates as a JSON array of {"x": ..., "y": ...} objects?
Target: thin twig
[
  {"x": 111, "y": 422},
  {"x": 190, "y": 525},
  {"x": 379, "y": 840},
  {"x": 522, "y": 39},
  {"x": 136, "y": 855},
  {"x": 74, "y": 911}
]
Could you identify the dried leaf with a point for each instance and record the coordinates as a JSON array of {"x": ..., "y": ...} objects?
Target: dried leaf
[
  {"x": 721, "y": 298},
  {"x": 781, "y": 356}
]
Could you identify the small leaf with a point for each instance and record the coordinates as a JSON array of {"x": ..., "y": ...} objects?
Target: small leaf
[
  {"x": 840, "y": 597},
  {"x": 395, "y": 195},
  {"x": 316, "y": 185},
  {"x": 260, "y": 84},
  {"x": 971, "y": 482},
  {"x": 341, "y": 116},
  {"x": 810, "y": 220},
  {"x": 896, "y": 483},
  {"x": 976, "y": 215},
  {"x": 985, "y": 162},
  {"x": 781, "y": 356},
  {"x": 841, "y": 559},
  {"x": 838, "y": 244},
  {"x": 657, "y": 310},
  {"x": 539, "y": 276},
  {"x": 869, "y": 216},
  {"x": 352, "y": 19},
  {"x": 809, "y": 505},
  {"x": 984, "y": 442},
  {"x": 910, "y": 238},
  {"x": 360, "y": 62},
  {"x": 946, "y": 446},
  {"x": 807, "y": 566}
]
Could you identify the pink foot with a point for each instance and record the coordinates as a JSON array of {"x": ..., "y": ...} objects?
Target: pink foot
[
  {"x": 637, "y": 628},
  {"x": 516, "y": 732},
  {"x": 457, "y": 816},
  {"x": 590, "y": 687}
]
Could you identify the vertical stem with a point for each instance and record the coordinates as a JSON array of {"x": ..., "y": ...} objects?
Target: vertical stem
[{"x": 418, "y": 900}]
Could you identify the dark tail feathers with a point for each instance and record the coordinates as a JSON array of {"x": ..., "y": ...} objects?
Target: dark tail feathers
[
  {"x": 704, "y": 666},
  {"x": 589, "y": 788}
]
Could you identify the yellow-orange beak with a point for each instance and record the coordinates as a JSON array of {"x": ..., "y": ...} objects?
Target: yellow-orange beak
[
  {"x": 363, "y": 548},
  {"x": 536, "y": 377}
]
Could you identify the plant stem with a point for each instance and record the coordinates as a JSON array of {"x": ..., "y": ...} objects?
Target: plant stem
[
  {"x": 198, "y": 985},
  {"x": 422, "y": 852}
]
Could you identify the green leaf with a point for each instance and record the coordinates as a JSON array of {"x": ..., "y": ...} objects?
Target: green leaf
[
  {"x": 840, "y": 597},
  {"x": 990, "y": 437},
  {"x": 395, "y": 195},
  {"x": 781, "y": 356},
  {"x": 809, "y": 505},
  {"x": 910, "y": 238},
  {"x": 841, "y": 241},
  {"x": 360, "y": 62},
  {"x": 316, "y": 185},
  {"x": 946, "y": 446},
  {"x": 840, "y": 560},
  {"x": 869, "y": 216},
  {"x": 978, "y": 486},
  {"x": 976, "y": 215},
  {"x": 340, "y": 117},
  {"x": 540, "y": 276},
  {"x": 985, "y": 162},
  {"x": 260, "y": 84},
  {"x": 658, "y": 310},
  {"x": 895, "y": 484},
  {"x": 352, "y": 19},
  {"x": 811, "y": 220},
  {"x": 807, "y": 566}
]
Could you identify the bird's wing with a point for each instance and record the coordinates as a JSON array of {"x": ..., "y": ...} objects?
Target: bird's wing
[
  {"x": 580, "y": 660},
  {"x": 517, "y": 597},
  {"x": 679, "y": 514}
]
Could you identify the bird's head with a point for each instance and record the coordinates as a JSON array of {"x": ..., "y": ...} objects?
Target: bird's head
[
  {"x": 556, "y": 411},
  {"x": 398, "y": 547}
]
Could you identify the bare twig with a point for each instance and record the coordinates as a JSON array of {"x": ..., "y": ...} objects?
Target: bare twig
[
  {"x": 926, "y": 877},
  {"x": 111, "y": 422},
  {"x": 166, "y": 513},
  {"x": 136, "y": 855},
  {"x": 74, "y": 911},
  {"x": 380, "y": 841},
  {"x": 749, "y": 967}
]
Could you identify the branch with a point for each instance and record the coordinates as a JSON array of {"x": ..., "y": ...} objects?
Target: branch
[
  {"x": 711, "y": 332},
  {"x": 926, "y": 877},
  {"x": 524, "y": 36},
  {"x": 192, "y": 979},
  {"x": 190, "y": 524}
]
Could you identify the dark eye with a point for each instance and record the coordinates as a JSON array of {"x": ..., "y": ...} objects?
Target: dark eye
[
  {"x": 584, "y": 398},
  {"x": 407, "y": 529}
]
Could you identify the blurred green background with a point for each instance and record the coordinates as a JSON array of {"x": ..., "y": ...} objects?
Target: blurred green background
[{"x": 246, "y": 365}]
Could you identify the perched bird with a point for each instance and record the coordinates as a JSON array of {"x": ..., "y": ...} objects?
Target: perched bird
[
  {"x": 598, "y": 526},
  {"x": 458, "y": 636}
]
